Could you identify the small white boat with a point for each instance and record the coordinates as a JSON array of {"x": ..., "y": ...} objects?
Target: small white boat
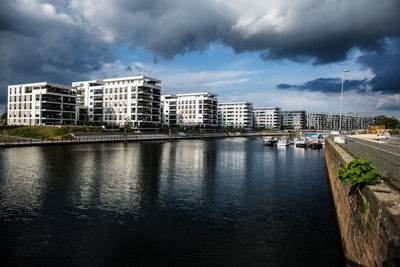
[{"x": 283, "y": 142}]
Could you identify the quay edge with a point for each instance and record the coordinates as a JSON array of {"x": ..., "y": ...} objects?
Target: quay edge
[{"x": 369, "y": 219}]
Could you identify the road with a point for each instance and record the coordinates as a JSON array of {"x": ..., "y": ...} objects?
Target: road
[{"x": 393, "y": 145}]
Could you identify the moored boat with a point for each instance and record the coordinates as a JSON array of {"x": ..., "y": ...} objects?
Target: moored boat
[
  {"x": 301, "y": 142},
  {"x": 316, "y": 144},
  {"x": 269, "y": 141},
  {"x": 283, "y": 142}
]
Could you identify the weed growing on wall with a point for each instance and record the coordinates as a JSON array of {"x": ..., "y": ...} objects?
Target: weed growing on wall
[{"x": 358, "y": 172}]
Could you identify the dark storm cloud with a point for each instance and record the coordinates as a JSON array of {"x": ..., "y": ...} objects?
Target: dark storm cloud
[
  {"x": 386, "y": 68},
  {"x": 394, "y": 107},
  {"x": 327, "y": 85},
  {"x": 299, "y": 30},
  {"x": 37, "y": 43},
  {"x": 385, "y": 64},
  {"x": 67, "y": 40}
]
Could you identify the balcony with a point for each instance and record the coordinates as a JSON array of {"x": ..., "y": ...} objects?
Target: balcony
[
  {"x": 144, "y": 104},
  {"x": 143, "y": 111},
  {"x": 69, "y": 108},
  {"x": 47, "y": 98},
  {"x": 144, "y": 90},
  {"x": 156, "y": 91},
  {"x": 50, "y": 106},
  {"x": 69, "y": 100},
  {"x": 55, "y": 90},
  {"x": 47, "y": 115},
  {"x": 144, "y": 97}
]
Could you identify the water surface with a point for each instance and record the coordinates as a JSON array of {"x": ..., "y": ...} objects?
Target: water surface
[{"x": 191, "y": 202}]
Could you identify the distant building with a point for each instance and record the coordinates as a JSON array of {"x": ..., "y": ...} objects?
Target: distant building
[
  {"x": 324, "y": 121},
  {"x": 317, "y": 121},
  {"x": 293, "y": 120},
  {"x": 41, "y": 103},
  {"x": 267, "y": 118},
  {"x": 190, "y": 110},
  {"x": 235, "y": 115},
  {"x": 114, "y": 102}
]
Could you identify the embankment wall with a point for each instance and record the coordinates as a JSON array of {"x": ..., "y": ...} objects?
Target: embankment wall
[{"x": 369, "y": 218}]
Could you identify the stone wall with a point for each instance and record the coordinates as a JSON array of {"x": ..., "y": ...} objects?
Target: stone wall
[{"x": 369, "y": 219}]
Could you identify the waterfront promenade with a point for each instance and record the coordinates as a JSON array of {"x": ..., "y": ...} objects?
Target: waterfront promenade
[{"x": 131, "y": 137}]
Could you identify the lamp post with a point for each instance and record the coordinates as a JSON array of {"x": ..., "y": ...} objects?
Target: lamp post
[{"x": 341, "y": 104}]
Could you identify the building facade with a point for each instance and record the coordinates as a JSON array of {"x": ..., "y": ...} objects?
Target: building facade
[
  {"x": 267, "y": 118},
  {"x": 41, "y": 103},
  {"x": 324, "y": 121},
  {"x": 115, "y": 102},
  {"x": 294, "y": 120},
  {"x": 235, "y": 115},
  {"x": 190, "y": 110},
  {"x": 318, "y": 121}
]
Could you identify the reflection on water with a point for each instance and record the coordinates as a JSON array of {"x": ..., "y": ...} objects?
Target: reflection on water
[{"x": 225, "y": 202}]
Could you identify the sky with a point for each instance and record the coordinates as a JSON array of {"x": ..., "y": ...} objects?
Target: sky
[{"x": 288, "y": 54}]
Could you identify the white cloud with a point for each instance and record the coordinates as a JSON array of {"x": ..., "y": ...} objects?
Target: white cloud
[{"x": 389, "y": 102}]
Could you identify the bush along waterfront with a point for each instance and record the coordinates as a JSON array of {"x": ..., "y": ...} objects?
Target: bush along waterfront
[{"x": 358, "y": 172}]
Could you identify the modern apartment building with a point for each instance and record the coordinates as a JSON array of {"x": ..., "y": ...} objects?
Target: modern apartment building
[
  {"x": 190, "y": 110},
  {"x": 293, "y": 120},
  {"x": 235, "y": 115},
  {"x": 114, "y": 102},
  {"x": 41, "y": 103},
  {"x": 324, "y": 121},
  {"x": 267, "y": 118},
  {"x": 318, "y": 121}
]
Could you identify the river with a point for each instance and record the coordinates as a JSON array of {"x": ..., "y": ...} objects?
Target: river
[{"x": 190, "y": 202}]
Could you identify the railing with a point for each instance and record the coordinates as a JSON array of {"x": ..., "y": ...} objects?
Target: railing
[{"x": 119, "y": 137}]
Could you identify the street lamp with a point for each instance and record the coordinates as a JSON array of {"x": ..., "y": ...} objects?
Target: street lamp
[{"x": 341, "y": 104}]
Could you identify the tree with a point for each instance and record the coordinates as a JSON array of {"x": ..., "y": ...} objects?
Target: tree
[
  {"x": 390, "y": 123},
  {"x": 4, "y": 116},
  {"x": 86, "y": 120}
]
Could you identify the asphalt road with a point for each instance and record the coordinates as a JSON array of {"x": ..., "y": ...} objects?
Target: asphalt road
[{"x": 393, "y": 145}]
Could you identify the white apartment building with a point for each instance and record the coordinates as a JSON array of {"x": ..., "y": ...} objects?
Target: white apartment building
[
  {"x": 190, "y": 110},
  {"x": 116, "y": 101},
  {"x": 235, "y": 115},
  {"x": 267, "y": 118},
  {"x": 41, "y": 103}
]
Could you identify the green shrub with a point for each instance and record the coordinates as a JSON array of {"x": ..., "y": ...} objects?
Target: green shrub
[{"x": 358, "y": 172}]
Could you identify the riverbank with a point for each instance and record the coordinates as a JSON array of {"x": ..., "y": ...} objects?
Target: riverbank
[
  {"x": 369, "y": 219},
  {"x": 119, "y": 137}
]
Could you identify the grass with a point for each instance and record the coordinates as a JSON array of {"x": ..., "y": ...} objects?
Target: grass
[
  {"x": 268, "y": 131},
  {"x": 48, "y": 132},
  {"x": 38, "y": 132}
]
